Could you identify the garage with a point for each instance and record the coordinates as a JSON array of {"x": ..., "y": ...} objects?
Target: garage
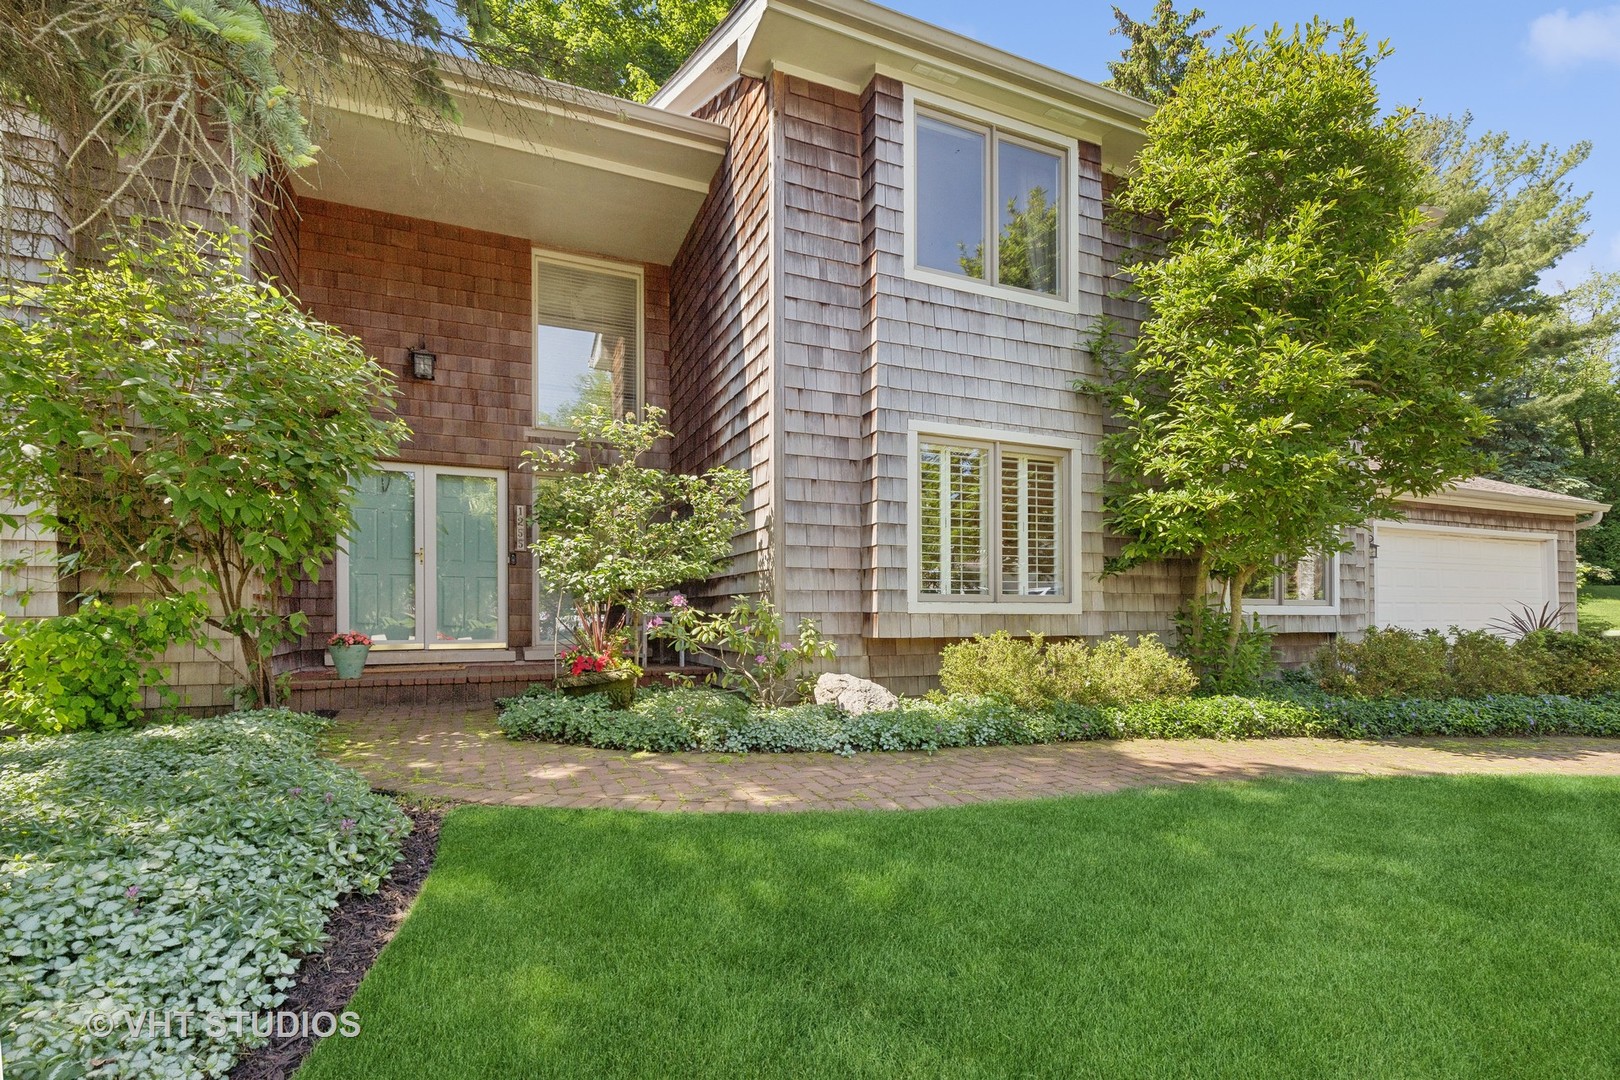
[{"x": 1435, "y": 577}]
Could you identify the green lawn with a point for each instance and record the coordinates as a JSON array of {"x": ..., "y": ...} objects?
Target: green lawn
[
  {"x": 1600, "y": 604},
  {"x": 1462, "y": 927}
]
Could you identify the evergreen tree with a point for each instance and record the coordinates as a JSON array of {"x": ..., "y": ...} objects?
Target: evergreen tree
[{"x": 1156, "y": 60}]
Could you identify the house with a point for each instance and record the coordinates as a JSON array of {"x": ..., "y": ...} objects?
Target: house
[{"x": 800, "y": 249}]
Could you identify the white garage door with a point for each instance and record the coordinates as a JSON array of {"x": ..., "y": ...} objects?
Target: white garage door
[{"x": 1434, "y": 578}]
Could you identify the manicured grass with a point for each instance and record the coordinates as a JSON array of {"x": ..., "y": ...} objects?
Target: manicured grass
[
  {"x": 1358, "y": 928},
  {"x": 1600, "y": 604}
]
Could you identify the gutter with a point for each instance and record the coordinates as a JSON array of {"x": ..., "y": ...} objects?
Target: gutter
[{"x": 1596, "y": 518}]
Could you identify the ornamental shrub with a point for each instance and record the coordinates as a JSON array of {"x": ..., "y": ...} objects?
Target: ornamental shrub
[
  {"x": 1013, "y": 669},
  {"x": 1470, "y": 664},
  {"x": 1482, "y": 663},
  {"x": 1116, "y": 672},
  {"x": 1386, "y": 663},
  {"x": 179, "y": 866},
  {"x": 1032, "y": 674},
  {"x": 90, "y": 669},
  {"x": 1573, "y": 664},
  {"x": 684, "y": 719}
]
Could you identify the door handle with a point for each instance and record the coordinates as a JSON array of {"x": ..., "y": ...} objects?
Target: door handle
[{"x": 421, "y": 555}]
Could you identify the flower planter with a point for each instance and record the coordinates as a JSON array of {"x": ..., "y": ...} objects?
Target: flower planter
[
  {"x": 620, "y": 687},
  {"x": 349, "y": 660}
]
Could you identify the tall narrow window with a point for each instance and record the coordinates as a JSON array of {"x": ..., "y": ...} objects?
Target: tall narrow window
[
  {"x": 990, "y": 522},
  {"x": 975, "y": 182},
  {"x": 587, "y": 340},
  {"x": 954, "y": 520}
]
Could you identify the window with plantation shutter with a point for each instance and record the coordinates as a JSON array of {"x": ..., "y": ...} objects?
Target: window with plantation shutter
[
  {"x": 1030, "y": 560},
  {"x": 587, "y": 339},
  {"x": 990, "y": 522}
]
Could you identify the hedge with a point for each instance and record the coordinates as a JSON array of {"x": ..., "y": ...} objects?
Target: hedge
[{"x": 703, "y": 720}]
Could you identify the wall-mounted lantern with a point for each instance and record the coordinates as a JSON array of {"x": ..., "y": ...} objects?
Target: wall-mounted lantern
[{"x": 422, "y": 362}]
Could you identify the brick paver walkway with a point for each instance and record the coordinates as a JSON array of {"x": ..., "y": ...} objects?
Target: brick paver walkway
[{"x": 455, "y": 752}]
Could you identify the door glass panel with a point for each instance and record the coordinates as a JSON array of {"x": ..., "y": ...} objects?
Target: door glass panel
[
  {"x": 467, "y": 559},
  {"x": 382, "y": 558}
]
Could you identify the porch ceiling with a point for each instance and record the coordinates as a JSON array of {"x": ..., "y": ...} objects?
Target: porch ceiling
[{"x": 561, "y": 167}]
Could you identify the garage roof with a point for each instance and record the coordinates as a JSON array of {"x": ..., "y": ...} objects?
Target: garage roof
[{"x": 1484, "y": 493}]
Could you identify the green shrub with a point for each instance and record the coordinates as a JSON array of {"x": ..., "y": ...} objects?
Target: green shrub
[
  {"x": 1201, "y": 638},
  {"x": 1471, "y": 664},
  {"x": 1386, "y": 663},
  {"x": 1013, "y": 669},
  {"x": 1031, "y": 674},
  {"x": 1115, "y": 672},
  {"x": 1573, "y": 664},
  {"x": 179, "y": 866},
  {"x": 89, "y": 669},
  {"x": 689, "y": 719},
  {"x": 1220, "y": 717},
  {"x": 1481, "y": 663}
]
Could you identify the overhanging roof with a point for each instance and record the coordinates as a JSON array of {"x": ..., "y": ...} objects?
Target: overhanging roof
[
  {"x": 843, "y": 43},
  {"x": 560, "y": 166},
  {"x": 1483, "y": 493}
]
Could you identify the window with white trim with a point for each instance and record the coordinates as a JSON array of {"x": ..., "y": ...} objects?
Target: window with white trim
[
  {"x": 991, "y": 521},
  {"x": 975, "y": 181},
  {"x": 1310, "y": 582},
  {"x": 587, "y": 339}
]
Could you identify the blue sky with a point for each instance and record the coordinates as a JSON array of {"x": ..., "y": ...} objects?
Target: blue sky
[{"x": 1541, "y": 72}]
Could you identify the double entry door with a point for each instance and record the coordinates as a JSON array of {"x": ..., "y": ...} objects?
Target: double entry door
[{"x": 425, "y": 566}]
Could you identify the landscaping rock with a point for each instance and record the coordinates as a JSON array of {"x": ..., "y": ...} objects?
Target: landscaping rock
[{"x": 854, "y": 696}]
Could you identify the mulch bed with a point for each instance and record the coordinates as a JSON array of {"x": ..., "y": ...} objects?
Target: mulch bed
[{"x": 356, "y": 932}]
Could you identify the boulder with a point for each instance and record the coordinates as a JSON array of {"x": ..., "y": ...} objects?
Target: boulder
[{"x": 854, "y": 696}]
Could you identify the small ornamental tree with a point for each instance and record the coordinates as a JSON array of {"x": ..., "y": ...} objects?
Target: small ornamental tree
[
  {"x": 609, "y": 531},
  {"x": 1279, "y": 392},
  {"x": 181, "y": 425}
]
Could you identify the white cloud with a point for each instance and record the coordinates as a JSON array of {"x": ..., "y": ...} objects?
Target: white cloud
[{"x": 1560, "y": 39}]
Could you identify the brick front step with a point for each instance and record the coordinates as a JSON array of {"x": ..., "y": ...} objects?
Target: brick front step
[{"x": 430, "y": 684}]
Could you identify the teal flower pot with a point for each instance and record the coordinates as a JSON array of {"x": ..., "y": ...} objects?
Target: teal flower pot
[{"x": 349, "y": 660}]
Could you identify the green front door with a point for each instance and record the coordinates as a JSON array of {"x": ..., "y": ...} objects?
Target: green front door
[{"x": 425, "y": 564}]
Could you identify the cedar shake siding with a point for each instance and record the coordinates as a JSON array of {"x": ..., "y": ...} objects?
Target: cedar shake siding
[
  {"x": 864, "y": 351},
  {"x": 720, "y": 356},
  {"x": 395, "y": 282}
]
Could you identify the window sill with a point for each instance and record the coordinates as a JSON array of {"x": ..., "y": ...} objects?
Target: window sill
[
  {"x": 918, "y": 606},
  {"x": 925, "y": 276},
  {"x": 1275, "y": 610}
]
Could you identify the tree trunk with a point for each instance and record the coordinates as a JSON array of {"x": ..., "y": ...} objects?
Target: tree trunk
[{"x": 1234, "y": 631}]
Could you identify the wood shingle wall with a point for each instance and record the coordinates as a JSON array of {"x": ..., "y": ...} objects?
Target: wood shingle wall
[{"x": 722, "y": 392}]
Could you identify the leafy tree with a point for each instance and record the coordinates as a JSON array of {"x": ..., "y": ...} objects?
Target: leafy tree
[
  {"x": 184, "y": 88},
  {"x": 1278, "y": 393},
  {"x": 623, "y": 47},
  {"x": 609, "y": 531},
  {"x": 182, "y": 425},
  {"x": 1156, "y": 60}
]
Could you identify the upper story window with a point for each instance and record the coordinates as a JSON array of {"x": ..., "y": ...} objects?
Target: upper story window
[
  {"x": 587, "y": 338},
  {"x": 990, "y": 205},
  {"x": 1307, "y": 583}
]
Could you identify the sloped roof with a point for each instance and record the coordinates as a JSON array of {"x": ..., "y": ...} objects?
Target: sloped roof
[{"x": 1485, "y": 493}]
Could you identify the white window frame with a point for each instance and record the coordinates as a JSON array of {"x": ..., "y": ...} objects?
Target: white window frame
[
  {"x": 1066, "y": 451},
  {"x": 622, "y": 269},
  {"x": 944, "y": 109},
  {"x": 1275, "y": 606},
  {"x": 428, "y": 534}
]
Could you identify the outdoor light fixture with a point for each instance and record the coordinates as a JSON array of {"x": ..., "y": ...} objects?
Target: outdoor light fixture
[{"x": 422, "y": 362}]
